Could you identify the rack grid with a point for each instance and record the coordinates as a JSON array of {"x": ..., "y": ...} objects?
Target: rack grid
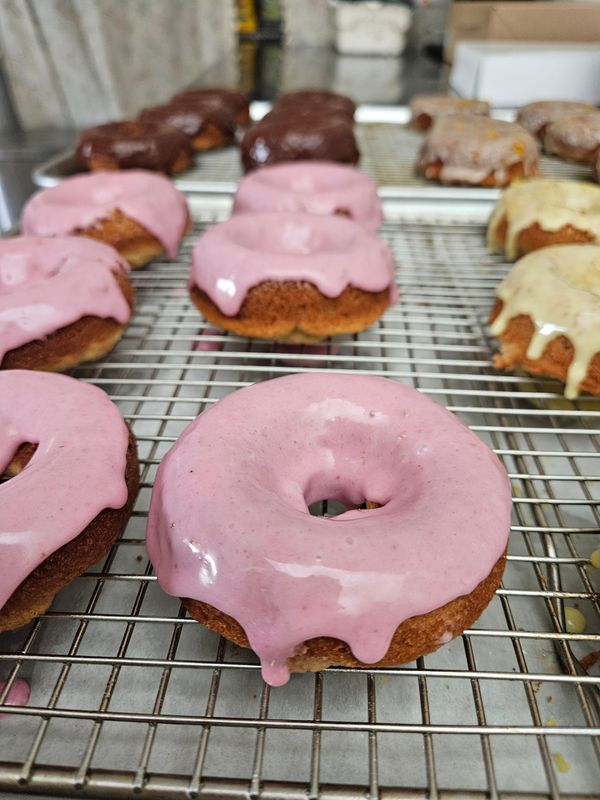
[{"x": 132, "y": 698}]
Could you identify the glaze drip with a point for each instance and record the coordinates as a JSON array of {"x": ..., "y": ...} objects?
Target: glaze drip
[
  {"x": 330, "y": 252},
  {"x": 77, "y": 470},
  {"x": 47, "y": 284},
  {"x": 559, "y": 288},
  {"x": 551, "y": 204},
  {"x": 84, "y": 200},
  {"x": 471, "y": 148},
  {"x": 229, "y": 523}
]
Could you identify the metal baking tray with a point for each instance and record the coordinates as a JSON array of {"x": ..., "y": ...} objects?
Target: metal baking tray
[
  {"x": 131, "y": 698},
  {"x": 388, "y": 148}
]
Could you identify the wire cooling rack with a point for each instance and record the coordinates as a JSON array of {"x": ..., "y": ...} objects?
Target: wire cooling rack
[{"x": 132, "y": 698}]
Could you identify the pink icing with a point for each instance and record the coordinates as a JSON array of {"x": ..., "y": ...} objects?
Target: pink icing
[
  {"x": 18, "y": 694},
  {"x": 83, "y": 200},
  {"x": 46, "y": 284},
  {"x": 330, "y": 252},
  {"x": 314, "y": 187},
  {"x": 229, "y": 522},
  {"x": 206, "y": 346},
  {"x": 77, "y": 471}
]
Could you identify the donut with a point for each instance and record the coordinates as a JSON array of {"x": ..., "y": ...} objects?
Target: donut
[
  {"x": 76, "y": 478},
  {"x": 477, "y": 151},
  {"x": 208, "y": 126},
  {"x": 229, "y": 529},
  {"x": 62, "y": 301},
  {"x": 547, "y": 316},
  {"x": 426, "y": 108},
  {"x": 291, "y": 276},
  {"x": 314, "y": 187},
  {"x": 297, "y": 139},
  {"x": 229, "y": 99},
  {"x": 132, "y": 144},
  {"x": 535, "y": 117},
  {"x": 597, "y": 167},
  {"x": 575, "y": 138},
  {"x": 141, "y": 214},
  {"x": 317, "y": 101},
  {"x": 539, "y": 213}
]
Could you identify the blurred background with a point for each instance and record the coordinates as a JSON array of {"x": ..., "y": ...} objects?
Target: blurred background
[{"x": 69, "y": 64}]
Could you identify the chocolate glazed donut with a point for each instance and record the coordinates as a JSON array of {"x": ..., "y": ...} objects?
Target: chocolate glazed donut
[
  {"x": 296, "y": 138},
  {"x": 207, "y": 126},
  {"x": 229, "y": 99},
  {"x": 317, "y": 101},
  {"x": 133, "y": 145}
]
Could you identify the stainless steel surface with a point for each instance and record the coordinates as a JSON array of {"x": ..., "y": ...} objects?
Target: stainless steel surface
[
  {"x": 131, "y": 697},
  {"x": 388, "y": 148}
]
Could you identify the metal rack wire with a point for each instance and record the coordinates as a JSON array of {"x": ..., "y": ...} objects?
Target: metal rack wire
[{"x": 129, "y": 696}]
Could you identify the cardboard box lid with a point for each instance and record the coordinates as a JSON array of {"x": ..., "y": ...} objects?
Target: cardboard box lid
[
  {"x": 522, "y": 21},
  {"x": 509, "y": 74}
]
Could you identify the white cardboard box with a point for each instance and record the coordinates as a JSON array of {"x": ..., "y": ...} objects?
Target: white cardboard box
[{"x": 514, "y": 73}]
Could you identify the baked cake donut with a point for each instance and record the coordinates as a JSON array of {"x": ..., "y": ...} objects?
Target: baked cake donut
[
  {"x": 367, "y": 588},
  {"x": 317, "y": 101},
  {"x": 299, "y": 138},
  {"x": 426, "y": 108},
  {"x": 311, "y": 186},
  {"x": 477, "y": 151},
  {"x": 576, "y": 138},
  {"x": 208, "y": 126},
  {"x": 62, "y": 301},
  {"x": 547, "y": 316},
  {"x": 535, "y": 117},
  {"x": 231, "y": 100},
  {"x": 132, "y": 144},
  {"x": 291, "y": 276},
  {"x": 76, "y": 478},
  {"x": 141, "y": 214},
  {"x": 539, "y": 213}
]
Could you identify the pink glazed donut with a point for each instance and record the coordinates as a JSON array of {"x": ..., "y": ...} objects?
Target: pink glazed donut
[
  {"x": 292, "y": 277},
  {"x": 75, "y": 477},
  {"x": 317, "y": 187},
  {"x": 229, "y": 529},
  {"x": 141, "y": 214},
  {"x": 62, "y": 301}
]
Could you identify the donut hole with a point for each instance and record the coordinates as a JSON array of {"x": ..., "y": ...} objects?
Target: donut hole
[
  {"x": 21, "y": 457},
  {"x": 330, "y": 507}
]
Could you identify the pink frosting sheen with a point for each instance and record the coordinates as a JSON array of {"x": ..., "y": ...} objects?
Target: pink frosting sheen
[
  {"x": 229, "y": 522},
  {"x": 46, "y": 284},
  {"x": 18, "y": 694},
  {"x": 330, "y": 252},
  {"x": 316, "y": 187},
  {"x": 83, "y": 200},
  {"x": 76, "y": 472}
]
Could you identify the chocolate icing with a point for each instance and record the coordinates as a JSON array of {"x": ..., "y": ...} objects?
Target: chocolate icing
[
  {"x": 308, "y": 112},
  {"x": 296, "y": 138},
  {"x": 236, "y": 102},
  {"x": 133, "y": 145},
  {"x": 191, "y": 119},
  {"x": 317, "y": 100}
]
